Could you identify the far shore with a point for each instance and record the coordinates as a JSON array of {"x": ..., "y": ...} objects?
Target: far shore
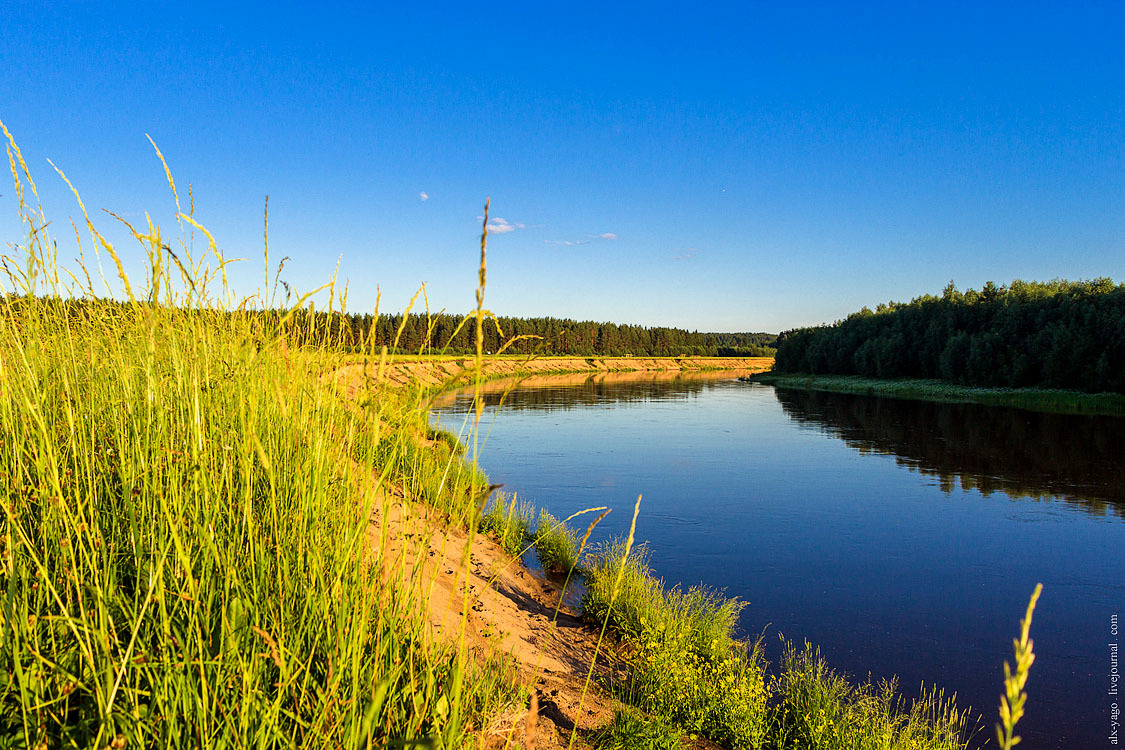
[
  {"x": 1032, "y": 399},
  {"x": 456, "y": 371}
]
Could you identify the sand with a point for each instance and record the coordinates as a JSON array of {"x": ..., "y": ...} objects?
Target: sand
[
  {"x": 458, "y": 370},
  {"x": 476, "y": 592}
]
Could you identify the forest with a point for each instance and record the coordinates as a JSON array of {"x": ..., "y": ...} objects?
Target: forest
[
  {"x": 1056, "y": 334},
  {"x": 448, "y": 334},
  {"x": 443, "y": 333}
]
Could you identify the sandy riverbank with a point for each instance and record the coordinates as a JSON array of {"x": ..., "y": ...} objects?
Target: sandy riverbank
[
  {"x": 454, "y": 371},
  {"x": 510, "y": 609}
]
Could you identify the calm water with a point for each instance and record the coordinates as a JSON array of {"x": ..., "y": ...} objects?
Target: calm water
[{"x": 901, "y": 537}]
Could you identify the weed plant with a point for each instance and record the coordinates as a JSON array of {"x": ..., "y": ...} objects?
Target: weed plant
[
  {"x": 1014, "y": 698},
  {"x": 682, "y": 664}
]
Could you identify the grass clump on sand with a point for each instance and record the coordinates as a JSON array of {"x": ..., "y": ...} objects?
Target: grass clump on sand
[
  {"x": 630, "y": 730},
  {"x": 509, "y": 523},
  {"x": 556, "y": 545},
  {"x": 682, "y": 662},
  {"x": 184, "y": 553}
]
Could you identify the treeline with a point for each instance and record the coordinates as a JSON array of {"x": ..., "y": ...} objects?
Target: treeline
[
  {"x": 444, "y": 332},
  {"x": 1055, "y": 334}
]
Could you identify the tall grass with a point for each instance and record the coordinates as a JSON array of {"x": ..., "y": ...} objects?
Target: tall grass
[
  {"x": 556, "y": 545},
  {"x": 509, "y": 522},
  {"x": 681, "y": 661},
  {"x": 819, "y": 708},
  {"x": 514, "y": 526},
  {"x": 184, "y": 554},
  {"x": 1014, "y": 698},
  {"x": 630, "y": 730}
]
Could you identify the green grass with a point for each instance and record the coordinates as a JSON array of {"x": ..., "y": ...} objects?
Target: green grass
[
  {"x": 819, "y": 708},
  {"x": 184, "y": 553},
  {"x": 1034, "y": 399},
  {"x": 681, "y": 661},
  {"x": 631, "y": 730},
  {"x": 514, "y": 526},
  {"x": 682, "y": 665},
  {"x": 508, "y": 521},
  {"x": 556, "y": 545},
  {"x": 184, "y": 539}
]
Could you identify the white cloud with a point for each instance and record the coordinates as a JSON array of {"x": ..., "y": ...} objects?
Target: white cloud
[
  {"x": 686, "y": 254},
  {"x": 423, "y": 196},
  {"x": 502, "y": 226},
  {"x": 591, "y": 238}
]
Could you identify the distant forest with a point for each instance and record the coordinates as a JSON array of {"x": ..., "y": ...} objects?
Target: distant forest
[
  {"x": 550, "y": 336},
  {"x": 1055, "y": 334},
  {"x": 434, "y": 334}
]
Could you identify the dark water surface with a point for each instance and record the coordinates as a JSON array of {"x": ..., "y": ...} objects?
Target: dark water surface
[{"x": 902, "y": 537}]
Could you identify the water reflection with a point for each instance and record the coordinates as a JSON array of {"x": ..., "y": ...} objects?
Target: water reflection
[
  {"x": 564, "y": 392},
  {"x": 1027, "y": 454}
]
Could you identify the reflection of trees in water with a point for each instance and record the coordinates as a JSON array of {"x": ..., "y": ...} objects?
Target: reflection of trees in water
[
  {"x": 594, "y": 390},
  {"x": 1021, "y": 453}
]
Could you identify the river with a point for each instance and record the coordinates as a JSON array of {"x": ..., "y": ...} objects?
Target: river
[{"x": 901, "y": 537}]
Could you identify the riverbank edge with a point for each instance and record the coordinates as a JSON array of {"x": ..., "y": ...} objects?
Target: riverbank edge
[
  {"x": 741, "y": 659},
  {"x": 436, "y": 375},
  {"x": 1031, "y": 399},
  {"x": 430, "y": 378}
]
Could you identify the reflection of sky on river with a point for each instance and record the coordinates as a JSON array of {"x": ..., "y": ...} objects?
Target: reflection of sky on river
[{"x": 875, "y": 563}]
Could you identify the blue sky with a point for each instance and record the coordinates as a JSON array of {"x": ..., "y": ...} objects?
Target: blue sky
[{"x": 715, "y": 166}]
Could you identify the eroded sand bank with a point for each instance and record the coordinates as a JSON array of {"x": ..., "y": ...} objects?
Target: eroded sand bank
[
  {"x": 458, "y": 370},
  {"x": 509, "y": 609}
]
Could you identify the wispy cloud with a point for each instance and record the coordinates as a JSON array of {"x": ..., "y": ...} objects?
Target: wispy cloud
[
  {"x": 423, "y": 196},
  {"x": 589, "y": 238},
  {"x": 685, "y": 254},
  {"x": 502, "y": 226}
]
